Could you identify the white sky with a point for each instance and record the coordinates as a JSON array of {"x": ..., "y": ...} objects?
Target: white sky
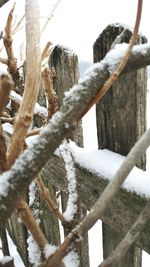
[{"x": 77, "y": 23}]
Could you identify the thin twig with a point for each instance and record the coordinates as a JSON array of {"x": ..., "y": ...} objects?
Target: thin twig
[
  {"x": 25, "y": 214},
  {"x": 114, "y": 76},
  {"x": 8, "y": 40},
  {"x": 12, "y": 61},
  {"x": 50, "y": 16},
  {"x": 4, "y": 61},
  {"x": 46, "y": 196},
  {"x": 3, "y": 150},
  {"x": 129, "y": 239},
  {"x": 6, "y": 119},
  {"x": 60, "y": 126},
  {"x": 7, "y": 85},
  {"x": 34, "y": 132},
  {"x": 104, "y": 200},
  {"x": 16, "y": 28},
  {"x": 45, "y": 52},
  {"x": 47, "y": 76}
]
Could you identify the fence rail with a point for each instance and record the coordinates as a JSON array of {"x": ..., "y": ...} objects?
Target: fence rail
[{"x": 121, "y": 120}]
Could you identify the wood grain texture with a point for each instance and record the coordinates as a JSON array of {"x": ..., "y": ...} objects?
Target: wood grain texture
[
  {"x": 65, "y": 64},
  {"x": 121, "y": 120}
]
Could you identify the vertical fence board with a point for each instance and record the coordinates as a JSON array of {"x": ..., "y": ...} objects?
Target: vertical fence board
[
  {"x": 65, "y": 64},
  {"x": 121, "y": 119}
]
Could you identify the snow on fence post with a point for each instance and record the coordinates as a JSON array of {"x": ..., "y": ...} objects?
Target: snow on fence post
[
  {"x": 65, "y": 65},
  {"x": 121, "y": 120}
]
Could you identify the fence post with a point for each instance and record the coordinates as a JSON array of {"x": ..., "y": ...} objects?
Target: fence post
[
  {"x": 121, "y": 120},
  {"x": 65, "y": 64}
]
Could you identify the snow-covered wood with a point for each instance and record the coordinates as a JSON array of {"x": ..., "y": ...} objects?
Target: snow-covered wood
[
  {"x": 123, "y": 210},
  {"x": 121, "y": 118},
  {"x": 61, "y": 124}
]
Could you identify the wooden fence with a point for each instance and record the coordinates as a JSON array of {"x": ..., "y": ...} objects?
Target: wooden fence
[{"x": 121, "y": 120}]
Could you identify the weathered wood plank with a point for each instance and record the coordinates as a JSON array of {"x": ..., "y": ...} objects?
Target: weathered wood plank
[
  {"x": 121, "y": 120},
  {"x": 121, "y": 213},
  {"x": 65, "y": 65}
]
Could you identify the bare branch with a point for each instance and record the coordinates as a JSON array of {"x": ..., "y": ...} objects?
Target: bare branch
[
  {"x": 45, "y": 52},
  {"x": 46, "y": 196},
  {"x": 28, "y": 219},
  {"x": 12, "y": 63},
  {"x": 104, "y": 200},
  {"x": 129, "y": 239},
  {"x": 16, "y": 28},
  {"x": 4, "y": 61},
  {"x": 33, "y": 57},
  {"x": 47, "y": 76},
  {"x": 34, "y": 158},
  {"x": 50, "y": 16},
  {"x": 3, "y": 150},
  {"x": 6, "y": 119},
  {"x": 34, "y": 132},
  {"x": 7, "y": 85}
]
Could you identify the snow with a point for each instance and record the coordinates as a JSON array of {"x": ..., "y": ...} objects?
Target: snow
[
  {"x": 49, "y": 250},
  {"x": 31, "y": 140},
  {"x": 15, "y": 97},
  {"x": 8, "y": 128},
  {"x": 115, "y": 55},
  {"x": 41, "y": 111},
  {"x": 105, "y": 163},
  {"x": 71, "y": 260},
  {"x": 34, "y": 252},
  {"x": 5, "y": 184},
  {"x": 71, "y": 209},
  {"x": 6, "y": 259}
]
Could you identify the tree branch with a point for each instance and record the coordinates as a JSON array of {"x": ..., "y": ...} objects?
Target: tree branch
[
  {"x": 47, "y": 76},
  {"x": 6, "y": 86},
  {"x": 46, "y": 196},
  {"x": 50, "y": 16},
  {"x": 25, "y": 114},
  {"x": 34, "y": 158},
  {"x": 129, "y": 239},
  {"x": 26, "y": 215}
]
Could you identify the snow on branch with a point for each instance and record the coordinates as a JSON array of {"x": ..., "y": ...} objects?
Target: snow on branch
[
  {"x": 35, "y": 157},
  {"x": 39, "y": 110}
]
